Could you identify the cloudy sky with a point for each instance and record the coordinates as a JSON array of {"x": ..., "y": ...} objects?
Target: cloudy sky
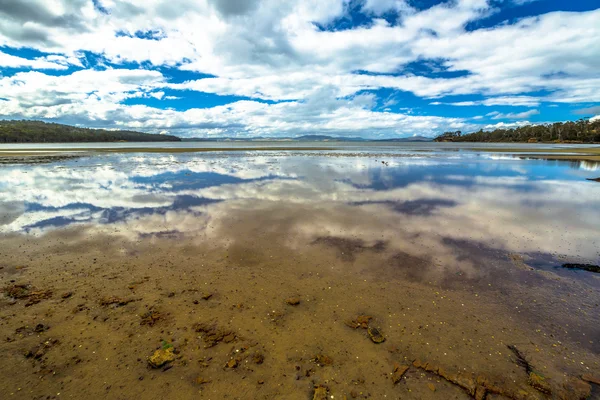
[{"x": 374, "y": 68}]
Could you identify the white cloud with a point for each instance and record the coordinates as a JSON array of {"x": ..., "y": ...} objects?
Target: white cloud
[
  {"x": 273, "y": 50},
  {"x": 521, "y": 115}
]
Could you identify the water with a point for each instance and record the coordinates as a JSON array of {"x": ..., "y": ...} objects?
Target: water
[
  {"x": 455, "y": 253},
  {"x": 497, "y": 201}
]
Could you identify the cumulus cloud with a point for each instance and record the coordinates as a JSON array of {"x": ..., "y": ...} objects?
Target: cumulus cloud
[
  {"x": 287, "y": 50},
  {"x": 521, "y": 115}
]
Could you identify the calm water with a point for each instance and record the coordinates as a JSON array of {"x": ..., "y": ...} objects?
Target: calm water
[{"x": 496, "y": 201}]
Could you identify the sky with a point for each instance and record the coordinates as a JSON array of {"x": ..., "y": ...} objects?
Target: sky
[{"x": 280, "y": 68}]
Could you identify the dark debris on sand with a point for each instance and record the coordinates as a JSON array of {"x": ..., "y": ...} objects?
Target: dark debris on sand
[
  {"x": 26, "y": 292},
  {"x": 585, "y": 267}
]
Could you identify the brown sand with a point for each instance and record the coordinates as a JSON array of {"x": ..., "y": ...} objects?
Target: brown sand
[{"x": 222, "y": 311}]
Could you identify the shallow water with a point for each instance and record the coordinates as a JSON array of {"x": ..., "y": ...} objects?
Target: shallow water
[{"x": 455, "y": 255}]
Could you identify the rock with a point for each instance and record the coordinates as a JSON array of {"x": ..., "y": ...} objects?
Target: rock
[
  {"x": 232, "y": 364},
  {"x": 362, "y": 321},
  {"x": 28, "y": 292},
  {"x": 162, "y": 357},
  {"x": 591, "y": 379},
  {"x": 66, "y": 295},
  {"x": 258, "y": 358},
  {"x": 431, "y": 387},
  {"x": 151, "y": 317},
  {"x": 293, "y": 301},
  {"x": 320, "y": 392},
  {"x": 323, "y": 360},
  {"x": 201, "y": 381},
  {"x": 399, "y": 371},
  {"x": 376, "y": 335},
  {"x": 27, "y": 330},
  {"x": 40, "y": 350},
  {"x": 261, "y": 381},
  {"x": 207, "y": 296},
  {"x": 539, "y": 382},
  {"x": 114, "y": 301}
]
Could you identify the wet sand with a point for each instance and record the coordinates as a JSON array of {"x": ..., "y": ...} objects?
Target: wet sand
[
  {"x": 292, "y": 277},
  {"x": 103, "y": 306},
  {"x": 46, "y": 155}
]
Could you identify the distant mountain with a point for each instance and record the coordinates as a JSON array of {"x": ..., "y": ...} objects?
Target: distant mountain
[
  {"x": 308, "y": 138},
  {"x": 408, "y": 139},
  {"x": 42, "y": 132}
]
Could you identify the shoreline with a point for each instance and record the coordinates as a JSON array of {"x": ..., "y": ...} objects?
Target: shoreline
[{"x": 26, "y": 155}]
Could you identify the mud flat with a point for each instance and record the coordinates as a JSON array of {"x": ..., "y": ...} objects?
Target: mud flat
[
  {"x": 563, "y": 153},
  {"x": 264, "y": 275},
  {"x": 91, "y": 316}
]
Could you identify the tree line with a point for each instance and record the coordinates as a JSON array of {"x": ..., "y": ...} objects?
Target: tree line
[
  {"x": 581, "y": 131},
  {"x": 43, "y": 132}
]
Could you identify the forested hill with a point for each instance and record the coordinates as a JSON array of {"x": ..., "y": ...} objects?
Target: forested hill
[
  {"x": 41, "y": 132},
  {"x": 582, "y": 131}
]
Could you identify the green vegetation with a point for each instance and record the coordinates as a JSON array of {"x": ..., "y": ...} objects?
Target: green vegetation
[
  {"x": 41, "y": 132},
  {"x": 582, "y": 131}
]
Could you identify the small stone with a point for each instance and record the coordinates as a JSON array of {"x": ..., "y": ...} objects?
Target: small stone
[
  {"x": 261, "y": 381},
  {"x": 376, "y": 335},
  {"x": 362, "y": 321},
  {"x": 399, "y": 371},
  {"x": 323, "y": 360},
  {"x": 41, "y": 328},
  {"x": 293, "y": 301},
  {"x": 114, "y": 301},
  {"x": 258, "y": 358},
  {"x": 431, "y": 387},
  {"x": 162, "y": 357},
  {"x": 201, "y": 381},
  {"x": 320, "y": 392},
  {"x": 207, "y": 296},
  {"x": 67, "y": 295},
  {"x": 232, "y": 364}
]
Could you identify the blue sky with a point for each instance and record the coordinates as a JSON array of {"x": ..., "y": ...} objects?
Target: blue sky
[{"x": 374, "y": 68}]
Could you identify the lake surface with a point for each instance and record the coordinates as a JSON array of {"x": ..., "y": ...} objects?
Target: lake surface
[{"x": 455, "y": 254}]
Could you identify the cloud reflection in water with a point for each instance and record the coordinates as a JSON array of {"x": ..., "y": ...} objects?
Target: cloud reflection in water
[{"x": 416, "y": 206}]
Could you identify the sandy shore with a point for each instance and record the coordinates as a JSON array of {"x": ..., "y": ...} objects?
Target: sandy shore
[
  {"x": 10, "y": 156},
  {"x": 82, "y": 316}
]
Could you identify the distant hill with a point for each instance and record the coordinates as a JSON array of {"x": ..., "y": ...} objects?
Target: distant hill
[
  {"x": 582, "y": 131},
  {"x": 408, "y": 139},
  {"x": 42, "y": 132},
  {"x": 308, "y": 138}
]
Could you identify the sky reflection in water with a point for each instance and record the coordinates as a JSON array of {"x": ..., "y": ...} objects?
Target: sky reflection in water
[{"x": 418, "y": 205}]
